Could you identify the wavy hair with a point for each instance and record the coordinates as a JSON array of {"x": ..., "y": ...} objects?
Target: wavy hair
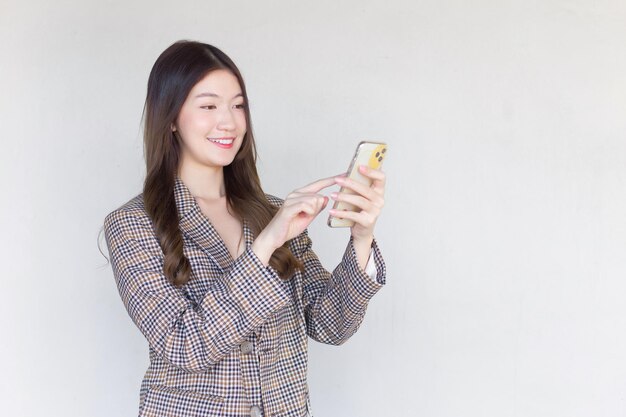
[{"x": 172, "y": 77}]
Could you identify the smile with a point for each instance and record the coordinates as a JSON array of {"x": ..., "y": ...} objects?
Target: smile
[{"x": 226, "y": 143}]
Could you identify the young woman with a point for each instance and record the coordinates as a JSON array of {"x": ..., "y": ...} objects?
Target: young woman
[{"x": 219, "y": 277}]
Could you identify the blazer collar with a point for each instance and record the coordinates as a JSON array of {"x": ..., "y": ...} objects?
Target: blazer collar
[{"x": 199, "y": 228}]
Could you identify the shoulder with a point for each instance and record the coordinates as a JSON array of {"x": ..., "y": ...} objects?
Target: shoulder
[
  {"x": 130, "y": 237},
  {"x": 130, "y": 214},
  {"x": 275, "y": 201}
]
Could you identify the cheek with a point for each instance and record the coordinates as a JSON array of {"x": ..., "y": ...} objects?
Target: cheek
[
  {"x": 183, "y": 122},
  {"x": 190, "y": 122},
  {"x": 241, "y": 121},
  {"x": 203, "y": 123}
]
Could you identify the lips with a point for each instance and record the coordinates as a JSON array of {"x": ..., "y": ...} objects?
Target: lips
[{"x": 224, "y": 143}]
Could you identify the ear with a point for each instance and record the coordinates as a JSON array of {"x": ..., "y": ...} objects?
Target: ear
[{"x": 173, "y": 127}]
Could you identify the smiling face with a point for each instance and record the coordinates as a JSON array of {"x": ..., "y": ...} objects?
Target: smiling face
[{"x": 212, "y": 121}]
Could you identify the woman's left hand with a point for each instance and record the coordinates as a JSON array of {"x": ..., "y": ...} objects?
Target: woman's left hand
[{"x": 369, "y": 200}]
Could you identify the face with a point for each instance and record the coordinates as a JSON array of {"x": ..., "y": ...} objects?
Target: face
[{"x": 212, "y": 122}]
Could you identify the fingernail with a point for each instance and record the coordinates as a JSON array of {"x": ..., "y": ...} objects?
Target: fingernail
[{"x": 333, "y": 196}]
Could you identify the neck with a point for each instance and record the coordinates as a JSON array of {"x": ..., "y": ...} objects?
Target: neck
[{"x": 203, "y": 182}]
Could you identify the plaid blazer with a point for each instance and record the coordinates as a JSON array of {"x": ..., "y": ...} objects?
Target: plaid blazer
[{"x": 233, "y": 340}]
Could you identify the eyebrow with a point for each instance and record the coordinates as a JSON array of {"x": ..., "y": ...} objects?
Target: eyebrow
[{"x": 209, "y": 94}]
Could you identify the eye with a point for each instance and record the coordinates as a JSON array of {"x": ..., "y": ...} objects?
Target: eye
[
  {"x": 209, "y": 107},
  {"x": 240, "y": 106}
]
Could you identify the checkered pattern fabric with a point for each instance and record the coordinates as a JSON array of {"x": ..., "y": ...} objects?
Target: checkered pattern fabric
[{"x": 233, "y": 340}]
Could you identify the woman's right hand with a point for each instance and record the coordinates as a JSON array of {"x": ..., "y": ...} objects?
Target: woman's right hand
[{"x": 298, "y": 211}]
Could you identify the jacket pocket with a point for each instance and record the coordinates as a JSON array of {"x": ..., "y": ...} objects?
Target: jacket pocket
[{"x": 164, "y": 401}]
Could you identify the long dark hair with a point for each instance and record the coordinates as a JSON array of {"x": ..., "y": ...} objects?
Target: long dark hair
[{"x": 172, "y": 77}]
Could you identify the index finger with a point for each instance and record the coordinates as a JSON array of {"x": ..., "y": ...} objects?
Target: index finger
[{"x": 317, "y": 186}]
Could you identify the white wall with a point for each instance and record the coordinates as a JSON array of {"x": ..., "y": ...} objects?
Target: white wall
[{"x": 504, "y": 230}]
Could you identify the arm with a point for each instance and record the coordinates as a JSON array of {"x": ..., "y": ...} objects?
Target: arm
[
  {"x": 335, "y": 304},
  {"x": 188, "y": 336}
]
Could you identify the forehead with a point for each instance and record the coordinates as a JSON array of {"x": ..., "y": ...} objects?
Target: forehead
[{"x": 219, "y": 82}]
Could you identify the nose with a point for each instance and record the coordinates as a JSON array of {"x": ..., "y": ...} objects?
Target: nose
[{"x": 226, "y": 120}]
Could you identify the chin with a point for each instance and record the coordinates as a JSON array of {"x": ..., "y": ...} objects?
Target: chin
[{"x": 225, "y": 163}]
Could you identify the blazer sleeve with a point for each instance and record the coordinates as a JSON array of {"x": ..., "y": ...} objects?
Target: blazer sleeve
[
  {"x": 335, "y": 303},
  {"x": 189, "y": 336}
]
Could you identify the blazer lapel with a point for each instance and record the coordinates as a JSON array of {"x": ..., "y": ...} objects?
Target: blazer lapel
[{"x": 198, "y": 227}]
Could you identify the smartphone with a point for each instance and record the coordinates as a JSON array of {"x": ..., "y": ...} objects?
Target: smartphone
[{"x": 367, "y": 153}]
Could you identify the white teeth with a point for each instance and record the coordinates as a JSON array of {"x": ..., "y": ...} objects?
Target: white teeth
[{"x": 222, "y": 141}]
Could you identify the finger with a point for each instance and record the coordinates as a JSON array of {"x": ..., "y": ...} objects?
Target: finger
[
  {"x": 315, "y": 199},
  {"x": 359, "y": 188},
  {"x": 362, "y": 218},
  {"x": 316, "y": 202},
  {"x": 354, "y": 199},
  {"x": 378, "y": 177},
  {"x": 317, "y": 186},
  {"x": 297, "y": 208},
  {"x": 326, "y": 200},
  {"x": 375, "y": 174},
  {"x": 297, "y": 194}
]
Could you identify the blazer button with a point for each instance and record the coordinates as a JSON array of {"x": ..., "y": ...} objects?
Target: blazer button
[
  {"x": 255, "y": 411},
  {"x": 246, "y": 348}
]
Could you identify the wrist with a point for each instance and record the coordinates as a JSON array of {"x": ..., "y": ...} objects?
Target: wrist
[
  {"x": 363, "y": 240},
  {"x": 362, "y": 248},
  {"x": 263, "y": 249}
]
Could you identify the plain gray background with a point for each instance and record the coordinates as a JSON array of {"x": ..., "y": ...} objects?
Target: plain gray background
[{"x": 504, "y": 230}]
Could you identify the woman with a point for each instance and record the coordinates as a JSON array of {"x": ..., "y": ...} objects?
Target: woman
[{"x": 218, "y": 276}]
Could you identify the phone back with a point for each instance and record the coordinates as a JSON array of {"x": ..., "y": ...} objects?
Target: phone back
[{"x": 367, "y": 153}]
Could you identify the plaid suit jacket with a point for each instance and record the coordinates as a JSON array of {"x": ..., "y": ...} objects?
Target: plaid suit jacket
[{"x": 233, "y": 340}]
